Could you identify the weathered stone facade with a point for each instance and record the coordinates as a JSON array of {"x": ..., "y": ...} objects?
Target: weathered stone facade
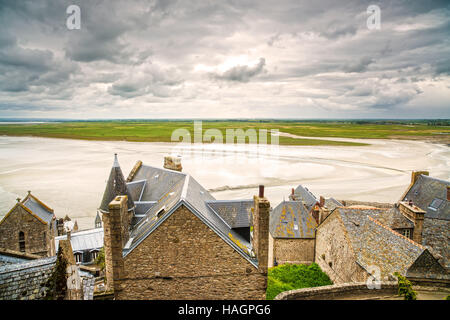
[
  {"x": 298, "y": 251},
  {"x": 333, "y": 254},
  {"x": 342, "y": 291},
  {"x": 38, "y": 235},
  {"x": 184, "y": 259}
]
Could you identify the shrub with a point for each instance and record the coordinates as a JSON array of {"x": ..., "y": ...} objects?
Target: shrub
[
  {"x": 294, "y": 276},
  {"x": 405, "y": 288}
]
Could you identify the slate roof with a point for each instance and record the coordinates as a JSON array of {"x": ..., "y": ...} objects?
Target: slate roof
[
  {"x": 291, "y": 219},
  {"x": 115, "y": 186},
  {"x": 377, "y": 245},
  {"x": 235, "y": 213},
  {"x": 332, "y": 203},
  {"x": 136, "y": 188},
  {"x": 392, "y": 218},
  {"x": 83, "y": 240},
  {"x": 25, "y": 281},
  {"x": 167, "y": 190},
  {"x": 303, "y": 194},
  {"x": 7, "y": 259},
  {"x": 38, "y": 208},
  {"x": 424, "y": 191}
]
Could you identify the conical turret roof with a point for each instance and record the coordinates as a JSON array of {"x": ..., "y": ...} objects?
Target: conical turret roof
[{"x": 116, "y": 186}]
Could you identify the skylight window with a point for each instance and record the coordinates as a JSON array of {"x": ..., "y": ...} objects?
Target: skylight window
[
  {"x": 161, "y": 211},
  {"x": 435, "y": 204}
]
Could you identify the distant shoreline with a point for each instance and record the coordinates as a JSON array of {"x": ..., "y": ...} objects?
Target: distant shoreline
[{"x": 300, "y": 133}]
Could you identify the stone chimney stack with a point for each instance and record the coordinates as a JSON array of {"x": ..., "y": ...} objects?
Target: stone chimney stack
[
  {"x": 71, "y": 289},
  {"x": 416, "y": 174},
  {"x": 322, "y": 202},
  {"x": 172, "y": 163},
  {"x": 113, "y": 242},
  {"x": 292, "y": 195},
  {"x": 260, "y": 222},
  {"x": 416, "y": 215}
]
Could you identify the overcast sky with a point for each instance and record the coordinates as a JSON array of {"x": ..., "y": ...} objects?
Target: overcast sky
[{"x": 225, "y": 59}]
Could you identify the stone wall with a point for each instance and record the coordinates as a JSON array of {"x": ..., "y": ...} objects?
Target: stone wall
[
  {"x": 34, "y": 230},
  {"x": 184, "y": 259},
  {"x": 293, "y": 251},
  {"x": 340, "y": 291},
  {"x": 334, "y": 254}
]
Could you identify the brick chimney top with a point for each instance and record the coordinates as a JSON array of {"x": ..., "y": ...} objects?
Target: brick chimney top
[
  {"x": 172, "y": 163},
  {"x": 292, "y": 191},
  {"x": 322, "y": 201},
  {"x": 261, "y": 191},
  {"x": 415, "y": 175}
]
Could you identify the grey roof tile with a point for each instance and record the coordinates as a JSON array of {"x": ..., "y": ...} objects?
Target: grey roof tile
[
  {"x": 291, "y": 219},
  {"x": 83, "y": 240},
  {"x": 424, "y": 191}
]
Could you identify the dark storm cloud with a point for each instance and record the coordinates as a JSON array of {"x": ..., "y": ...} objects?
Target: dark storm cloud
[
  {"x": 177, "y": 55},
  {"x": 242, "y": 73}
]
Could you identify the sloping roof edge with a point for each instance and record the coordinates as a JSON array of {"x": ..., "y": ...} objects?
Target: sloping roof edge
[{"x": 195, "y": 212}]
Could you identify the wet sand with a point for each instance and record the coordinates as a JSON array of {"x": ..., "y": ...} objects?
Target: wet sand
[{"x": 70, "y": 175}]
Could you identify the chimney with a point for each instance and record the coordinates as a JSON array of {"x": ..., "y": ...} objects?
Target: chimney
[
  {"x": 113, "y": 229},
  {"x": 292, "y": 195},
  {"x": 172, "y": 163},
  {"x": 416, "y": 215},
  {"x": 260, "y": 222},
  {"x": 415, "y": 175},
  {"x": 70, "y": 286},
  {"x": 322, "y": 201},
  {"x": 315, "y": 212},
  {"x": 448, "y": 193}
]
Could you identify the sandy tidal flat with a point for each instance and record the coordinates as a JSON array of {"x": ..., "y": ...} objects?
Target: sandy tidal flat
[{"x": 70, "y": 175}]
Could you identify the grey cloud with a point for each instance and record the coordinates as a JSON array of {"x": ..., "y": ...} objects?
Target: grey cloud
[
  {"x": 242, "y": 73},
  {"x": 358, "y": 66}
]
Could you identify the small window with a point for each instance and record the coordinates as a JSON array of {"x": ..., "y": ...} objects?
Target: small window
[
  {"x": 407, "y": 233},
  {"x": 78, "y": 257},
  {"x": 435, "y": 204},
  {"x": 44, "y": 239},
  {"x": 22, "y": 241}
]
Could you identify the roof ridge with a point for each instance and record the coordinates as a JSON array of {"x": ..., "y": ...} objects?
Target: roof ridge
[
  {"x": 396, "y": 233},
  {"x": 40, "y": 202},
  {"x": 363, "y": 208},
  {"x": 34, "y": 263}
]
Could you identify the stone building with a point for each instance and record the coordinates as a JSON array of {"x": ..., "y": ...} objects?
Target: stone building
[
  {"x": 23, "y": 277},
  {"x": 167, "y": 237},
  {"x": 352, "y": 244},
  {"x": 428, "y": 200},
  {"x": 318, "y": 208},
  {"x": 292, "y": 234},
  {"x": 86, "y": 245},
  {"x": 30, "y": 226}
]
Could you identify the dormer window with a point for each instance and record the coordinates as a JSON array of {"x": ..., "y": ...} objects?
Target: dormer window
[{"x": 435, "y": 204}]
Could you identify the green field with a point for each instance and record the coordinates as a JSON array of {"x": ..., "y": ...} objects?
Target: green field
[{"x": 161, "y": 131}]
